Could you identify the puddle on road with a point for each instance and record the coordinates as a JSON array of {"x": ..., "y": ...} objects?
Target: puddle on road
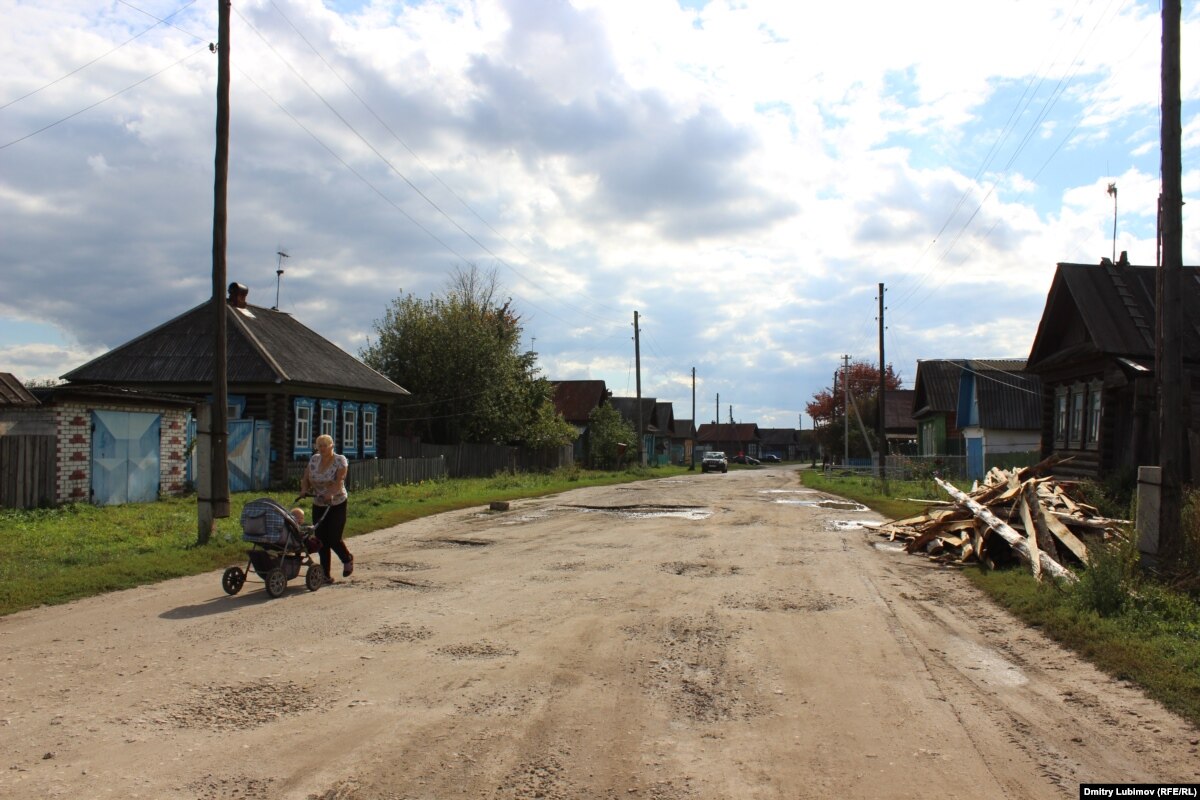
[
  {"x": 788, "y": 491},
  {"x": 649, "y": 511},
  {"x": 850, "y": 524},
  {"x": 891, "y": 547},
  {"x": 833, "y": 505}
]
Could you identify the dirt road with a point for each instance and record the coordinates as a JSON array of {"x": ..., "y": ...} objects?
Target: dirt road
[{"x": 710, "y": 636}]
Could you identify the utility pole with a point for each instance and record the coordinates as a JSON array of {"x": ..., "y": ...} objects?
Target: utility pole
[
  {"x": 692, "y": 466},
  {"x": 717, "y": 418},
  {"x": 882, "y": 397},
  {"x": 637, "y": 356},
  {"x": 1170, "y": 371},
  {"x": 731, "y": 413},
  {"x": 846, "y": 410},
  {"x": 216, "y": 505}
]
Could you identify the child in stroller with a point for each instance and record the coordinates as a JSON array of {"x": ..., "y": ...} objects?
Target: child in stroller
[{"x": 281, "y": 545}]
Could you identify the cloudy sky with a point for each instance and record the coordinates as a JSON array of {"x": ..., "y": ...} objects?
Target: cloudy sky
[{"x": 742, "y": 173}]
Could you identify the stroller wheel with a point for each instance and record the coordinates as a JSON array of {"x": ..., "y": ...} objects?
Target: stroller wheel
[
  {"x": 276, "y": 582},
  {"x": 315, "y": 577},
  {"x": 232, "y": 580}
]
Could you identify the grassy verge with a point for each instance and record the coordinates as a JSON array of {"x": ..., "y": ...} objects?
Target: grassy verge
[
  {"x": 1127, "y": 625},
  {"x": 61, "y": 554},
  {"x": 903, "y": 498}
]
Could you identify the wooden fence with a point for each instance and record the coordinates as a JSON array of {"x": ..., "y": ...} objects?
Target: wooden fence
[
  {"x": 27, "y": 477},
  {"x": 382, "y": 472},
  {"x": 485, "y": 460}
]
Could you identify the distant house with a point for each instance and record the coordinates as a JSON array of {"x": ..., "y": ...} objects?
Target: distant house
[
  {"x": 733, "y": 438},
  {"x": 664, "y": 422},
  {"x": 1094, "y": 352},
  {"x": 627, "y": 407},
  {"x": 575, "y": 401},
  {"x": 683, "y": 441},
  {"x": 287, "y": 385},
  {"x": 935, "y": 407},
  {"x": 999, "y": 413},
  {"x": 782, "y": 442},
  {"x": 899, "y": 427},
  {"x": 92, "y": 444}
]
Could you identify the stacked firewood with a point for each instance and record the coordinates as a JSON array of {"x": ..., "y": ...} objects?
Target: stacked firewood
[{"x": 1011, "y": 514}]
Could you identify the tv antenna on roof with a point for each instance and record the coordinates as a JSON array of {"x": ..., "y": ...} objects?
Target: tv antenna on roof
[{"x": 280, "y": 255}]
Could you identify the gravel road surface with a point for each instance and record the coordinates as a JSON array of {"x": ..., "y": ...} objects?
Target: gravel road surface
[{"x": 707, "y": 636}]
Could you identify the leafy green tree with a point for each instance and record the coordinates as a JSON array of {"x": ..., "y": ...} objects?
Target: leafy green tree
[
  {"x": 607, "y": 429},
  {"x": 459, "y": 355}
]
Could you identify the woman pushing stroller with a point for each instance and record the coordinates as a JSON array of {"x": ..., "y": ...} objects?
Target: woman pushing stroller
[{"x": 325, "y": 479}]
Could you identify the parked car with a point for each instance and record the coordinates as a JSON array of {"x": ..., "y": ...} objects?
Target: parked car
[
  {"x": 714, "y": 461},
  {"x": 744, "y": 459},
  {"x": 772, "y": 458}
]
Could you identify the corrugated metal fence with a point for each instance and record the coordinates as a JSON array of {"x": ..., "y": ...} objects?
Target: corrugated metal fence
[{"x": 26, "y": 471}]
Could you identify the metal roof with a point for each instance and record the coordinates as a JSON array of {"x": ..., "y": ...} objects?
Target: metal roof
[
  {"x": 936, "y": 387},
  {"x": 576, "y": 399},
  {"x": 1009, "y": 397},
  {"x": 726, "y": 432}
]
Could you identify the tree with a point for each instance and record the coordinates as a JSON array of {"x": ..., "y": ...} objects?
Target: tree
[
  {"x": 459, "y": 355},
  {"x": 827, "y": 408},
  {"x": 607, "y": 430}
]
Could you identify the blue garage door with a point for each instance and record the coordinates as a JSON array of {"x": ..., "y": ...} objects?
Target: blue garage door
[{"x": 125, "y": 457}]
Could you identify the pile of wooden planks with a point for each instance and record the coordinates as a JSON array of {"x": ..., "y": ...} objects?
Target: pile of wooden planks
[{"x": 1016, "y": 514}]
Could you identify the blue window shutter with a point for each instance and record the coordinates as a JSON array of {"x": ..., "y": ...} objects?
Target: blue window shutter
[
  {"x": 370, "y": 429},
  {"x": 304, "y": 419},
  {"x": 349, "y": 429}
]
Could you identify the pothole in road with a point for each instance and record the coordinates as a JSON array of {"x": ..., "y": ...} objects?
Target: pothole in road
[
  {"x": 404, "y": 566},
  {"x": 698, "y": 569},
  {"x": 787, "y": 491},
  {"x": 456, "y": 542},
  {"x": 397, "y": 633},
  {"x": 400, "y": 583},
  {"x": 247, "y": 705},
  {"x": 483, "y": 649},
  {"x": 650, "y": 511}
]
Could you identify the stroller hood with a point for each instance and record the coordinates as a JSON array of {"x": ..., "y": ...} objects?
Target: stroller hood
[{"x": 264, "y": 521}]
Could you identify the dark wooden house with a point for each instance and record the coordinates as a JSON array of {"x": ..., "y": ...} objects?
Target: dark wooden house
[
  {"x": 899, "y": 427},
  {"x": 1095, "y": 354},
  {"x": 627, "y": 407},
  {"x": 733, "y": 438},
  {"x": 287, "y": 385},
  {"x": 575, "y": 401}
]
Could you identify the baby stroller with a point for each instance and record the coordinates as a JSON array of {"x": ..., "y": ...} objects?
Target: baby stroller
[{"x": 281, "y": 546}]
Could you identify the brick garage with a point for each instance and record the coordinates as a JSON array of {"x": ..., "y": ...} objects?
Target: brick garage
[{"x": 73, "y": 413}]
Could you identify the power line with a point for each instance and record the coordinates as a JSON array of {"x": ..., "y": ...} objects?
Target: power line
[
  {"x": 97, "y": 58},
  {"x": 134, "y": 85}
]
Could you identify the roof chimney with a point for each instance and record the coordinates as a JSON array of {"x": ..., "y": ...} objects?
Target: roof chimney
[
  {"x": 237, "y": 295},
  {"x": 1124, "y": 260}
]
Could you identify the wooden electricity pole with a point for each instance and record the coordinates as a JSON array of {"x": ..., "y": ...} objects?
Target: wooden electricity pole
[
  {"x": 216, "y": 505},
  {"x": 637, "y": 355},
  {"x": 692, "y": 465},
  {"x": 882, "y": 423},
  {"x": 1170, "y": 370},
  {"x": 846, "y": 410}
]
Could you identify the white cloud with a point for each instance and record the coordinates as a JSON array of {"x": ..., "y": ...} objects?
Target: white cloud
[{"x": 743, "y": 176}]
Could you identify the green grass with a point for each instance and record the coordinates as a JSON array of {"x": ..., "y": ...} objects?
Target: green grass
[
  {"x": 896, "y": 504},
  {"x": 57, "y": 555},
  {"x": 1124, "y": 623}
]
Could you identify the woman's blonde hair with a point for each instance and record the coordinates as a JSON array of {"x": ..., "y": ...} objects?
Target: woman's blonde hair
[{"x": 324, "y": 439}]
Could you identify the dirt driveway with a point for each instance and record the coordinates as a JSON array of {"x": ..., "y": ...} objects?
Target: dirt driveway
[{"x": 709, "y": 636}]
